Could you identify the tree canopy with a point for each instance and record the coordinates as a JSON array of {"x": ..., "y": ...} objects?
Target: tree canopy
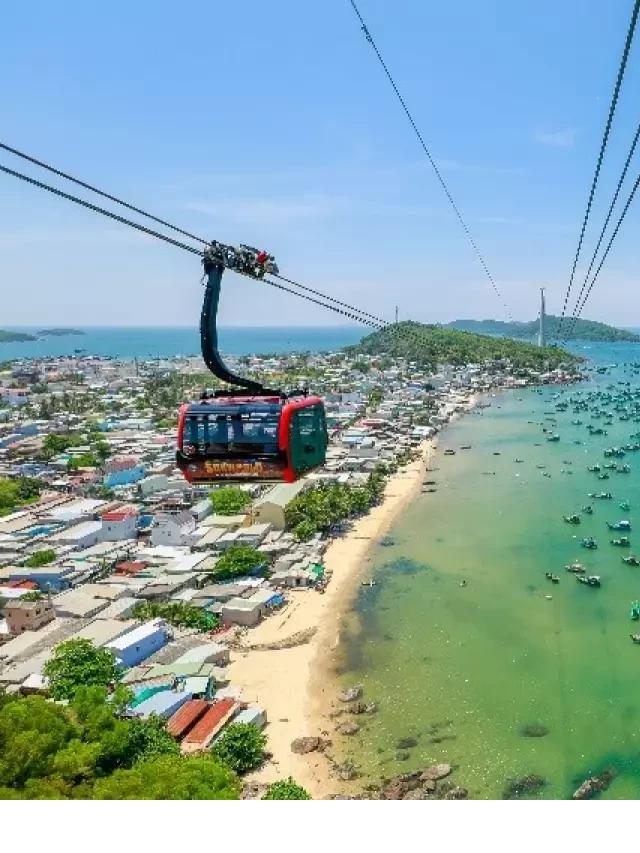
[
  {"x": 87, "y": 750},
  {"x": 41, "y": 558},
  {"x": 78, "y": 663},
  {"x": 240, "y": 747},
  {"x": 237, "y": 561},
  {"x": 16, "y": 492},
  {"x": 177, "y": 613},
  {"x": 229, "y": 500}
]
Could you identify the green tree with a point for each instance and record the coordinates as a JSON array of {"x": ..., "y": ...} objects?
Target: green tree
[
  {"x": 286, "y": 789},
  {"x": 229, "y": 500},
  {"x": 41, "y": 558},
  {"x": 177, "y": 613},
  {"x": 237, "y": 561},
  {"x": 241, "y": 747},
  {"x": 171, "y": 778},
  {"x": 78, "y": 663},
  {"x": 149, "y": 739}
]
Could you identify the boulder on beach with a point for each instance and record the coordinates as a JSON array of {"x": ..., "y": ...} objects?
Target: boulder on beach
[
  {"x": 436, "y": 771},
  {"x": 348, "y": 729},
  {"x": 302, "y": 745}
]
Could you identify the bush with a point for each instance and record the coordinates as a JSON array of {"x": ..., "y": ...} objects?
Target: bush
[
  {"x": 177, "y": 613},
  {"x": 229, "y": 500},
  {"x": 241, "y": 747},
  {"x": 76, "y": 664},
  {"x": 41, "y": 558},
  {"x": 237, "y": 561},
  {"x": 286, "y": 789}
]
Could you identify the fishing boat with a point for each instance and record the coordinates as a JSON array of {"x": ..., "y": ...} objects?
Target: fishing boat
[
  {"x": 610, "y": 466},
  {"x": 576, "y": 568},
  {"x": 623, "y": 469},
  {"x": 551, "y": 577},
  {"x": 576, "y": 423},
  {"x": 554, "y": 437},
  {"x": 635, "y": 638},
  {"x": 590, "y": 544},
  {"x": 572, "y": 519},
  {"x": 634, "y": 613},
  {"x": 449, "y": 453},
  {"x": 587, "y": 510},
  {"x": 603, "y": 476},
  {"x": 624, "y": 505},
  {"x": 623, "y": 542},
  {"x": 594, "y": 468},
  {"x": 465, "y": 447},
  {"x": 590, "y": 580},
  {"x": 619, "y": 525},
  {"x": 631, "y": 560},
  {"x": 601, "y": 496}
]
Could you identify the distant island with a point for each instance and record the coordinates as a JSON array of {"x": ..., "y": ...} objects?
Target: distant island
[
  {"x": 430, "y": 344},
  {"x": 59, "y": 333},
  {"x": 583, "y": 330},
  {"x": 13, "y": 337}
]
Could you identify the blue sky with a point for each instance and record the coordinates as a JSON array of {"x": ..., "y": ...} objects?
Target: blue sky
[{"x": 272, "y": 124}]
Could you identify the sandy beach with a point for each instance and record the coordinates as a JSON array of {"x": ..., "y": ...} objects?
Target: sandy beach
[{"x": 297, "y": 685}]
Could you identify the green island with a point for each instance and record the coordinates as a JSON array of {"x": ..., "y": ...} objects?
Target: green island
[
  {"x": 583, "y": 330},
  {"x": 59, "y": 333},
  {"x": 430, "y": 345},
  {"x": 7, "y": 337}
]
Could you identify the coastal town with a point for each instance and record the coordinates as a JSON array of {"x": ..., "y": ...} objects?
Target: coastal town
[{"x": 205, "y": 595}]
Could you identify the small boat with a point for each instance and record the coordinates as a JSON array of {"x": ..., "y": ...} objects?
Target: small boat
[
  {"x": 623, "y": 542},
  {"x": 572, "y": 519},
  {"x": 587, "y": 510},
  {"x": 590, "y": 580},
  {"x": 634, "y": 613},
  {"x": 554, "y": 437},
  {"x": 602, "y": 496},
  {"x": 576, "y": 423},
  {"x": 635, "y": 638},
  {"x": 551, "y": 577},
  {"x": 465, "y": 447},
  {"x": 449, "y": 453},
  {"x": 623, "y": 469},
  {"x": 619, "y": 525},
  {"x": 631, "y": 560},
  {"x": 594, "y": 468},
  {"x": 576, "y": 568},
  {"x": 368, "y": 583},
  {"x": 610, "y": 466},
  {"x": 590, "y": 544},
  {"x": 519, "y": 460},
  {"x": 603, "y": 476}
]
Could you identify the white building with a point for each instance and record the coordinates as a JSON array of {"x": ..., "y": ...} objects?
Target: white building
[
  {"x": 120, "y": 524},
  {"x": 174, "y": 529}
]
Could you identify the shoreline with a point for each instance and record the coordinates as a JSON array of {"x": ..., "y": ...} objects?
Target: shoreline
[{"x": 298, "y": 686}]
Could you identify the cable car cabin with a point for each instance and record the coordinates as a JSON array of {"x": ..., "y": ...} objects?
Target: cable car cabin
[{"x": 251, "y": 438}]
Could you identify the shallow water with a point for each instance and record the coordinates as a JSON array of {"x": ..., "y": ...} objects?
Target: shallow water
[{"x": 462, "y": 669}]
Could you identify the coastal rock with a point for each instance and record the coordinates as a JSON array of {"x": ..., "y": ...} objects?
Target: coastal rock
[
  {"x": 351, "y": 694},
  {"x": 406, "y": 743},
  {"x": 457, "y": 793},
  {"x": 428, "y": 785},
  {"x": 303, "y": 745},
  {"x": 416, "y": 794},
  {"x": 530, "y": 784},
  {"x": 594, "y": 785},
  {"x": 394, "y": 790},
  {"x": 348, "y": 729},
  {"x": 370, "y": 708},
  {"x": 356, "y": 708},
  {"x": 345, "y": 771},
  {"x": 436, "y": 771},
  {"x": 534, "y": 730},
  {"x": 403, "y": 755}
]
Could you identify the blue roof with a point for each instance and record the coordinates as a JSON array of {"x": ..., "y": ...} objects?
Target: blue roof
[{"x": 163, "y": 704}]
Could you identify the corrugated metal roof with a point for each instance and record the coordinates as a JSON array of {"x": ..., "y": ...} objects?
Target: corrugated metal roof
[
  {"x": 206, "y": 728},
  {"x": 137, "y": 635},
  {"x": 163, "y": 704},
  {"x": 186, "y": 717}
]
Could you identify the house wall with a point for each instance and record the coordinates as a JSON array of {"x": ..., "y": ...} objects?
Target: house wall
[
  {"x": 21, "y": 619},
  {"x": 114, "y": 531},
  {"x": 144, "y": 648}
]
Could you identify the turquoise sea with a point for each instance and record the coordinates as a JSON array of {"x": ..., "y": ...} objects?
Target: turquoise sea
[
  {"x": 156, "y": 342},
  {"x": 461, "y": 671}
]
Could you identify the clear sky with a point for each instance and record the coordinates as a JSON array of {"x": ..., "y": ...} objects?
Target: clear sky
[{"x": 272, "y": 124}]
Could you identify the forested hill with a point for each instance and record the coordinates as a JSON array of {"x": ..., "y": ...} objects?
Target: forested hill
[
  {"x": 584, "y": 330},
  {"x": 7, "y": 337},
  {"x": 435, "y": 345}
]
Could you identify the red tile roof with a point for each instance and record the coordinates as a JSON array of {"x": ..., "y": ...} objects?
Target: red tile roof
[
  {"x": 130, "y": 567},
  {"x": 119, "y": 514},
  {"x": 186, "y": 716}
]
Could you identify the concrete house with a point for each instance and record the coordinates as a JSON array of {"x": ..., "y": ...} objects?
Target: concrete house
[
  {"x": 28, "y": 615},
  {"x": 79, "y": 536},
  {"x": 120, "y": 524},
  {"x": 270, "y": 508},
  {"x": 123, "y": 471},
  {"x": 173, "y": 529},
  {"x": 137, "y": 645}
]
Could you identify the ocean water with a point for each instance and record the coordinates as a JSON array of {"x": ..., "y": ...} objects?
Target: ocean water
[
  {"x": 131, "y": 342},
  {"x": 461, "y": 670}
]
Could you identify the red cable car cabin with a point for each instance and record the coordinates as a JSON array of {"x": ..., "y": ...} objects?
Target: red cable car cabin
[{"x": 251, "y": 438}]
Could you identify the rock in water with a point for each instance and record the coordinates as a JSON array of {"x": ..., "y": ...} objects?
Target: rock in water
[
  {"x": 457, "y": 793},
  {"x": 403, "y": 755},
  {"x": 437, "y": 771},
  {"x": 406, "y": 743},
  {"x": 594, "y": 785},
  {"x": 346, "y": 771},
  {"x": 534, "y": 730},
  {"x": 348, "y": 729},
  {"x": 530, "y": 784},
  {"x": 351, "y": 694}
]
